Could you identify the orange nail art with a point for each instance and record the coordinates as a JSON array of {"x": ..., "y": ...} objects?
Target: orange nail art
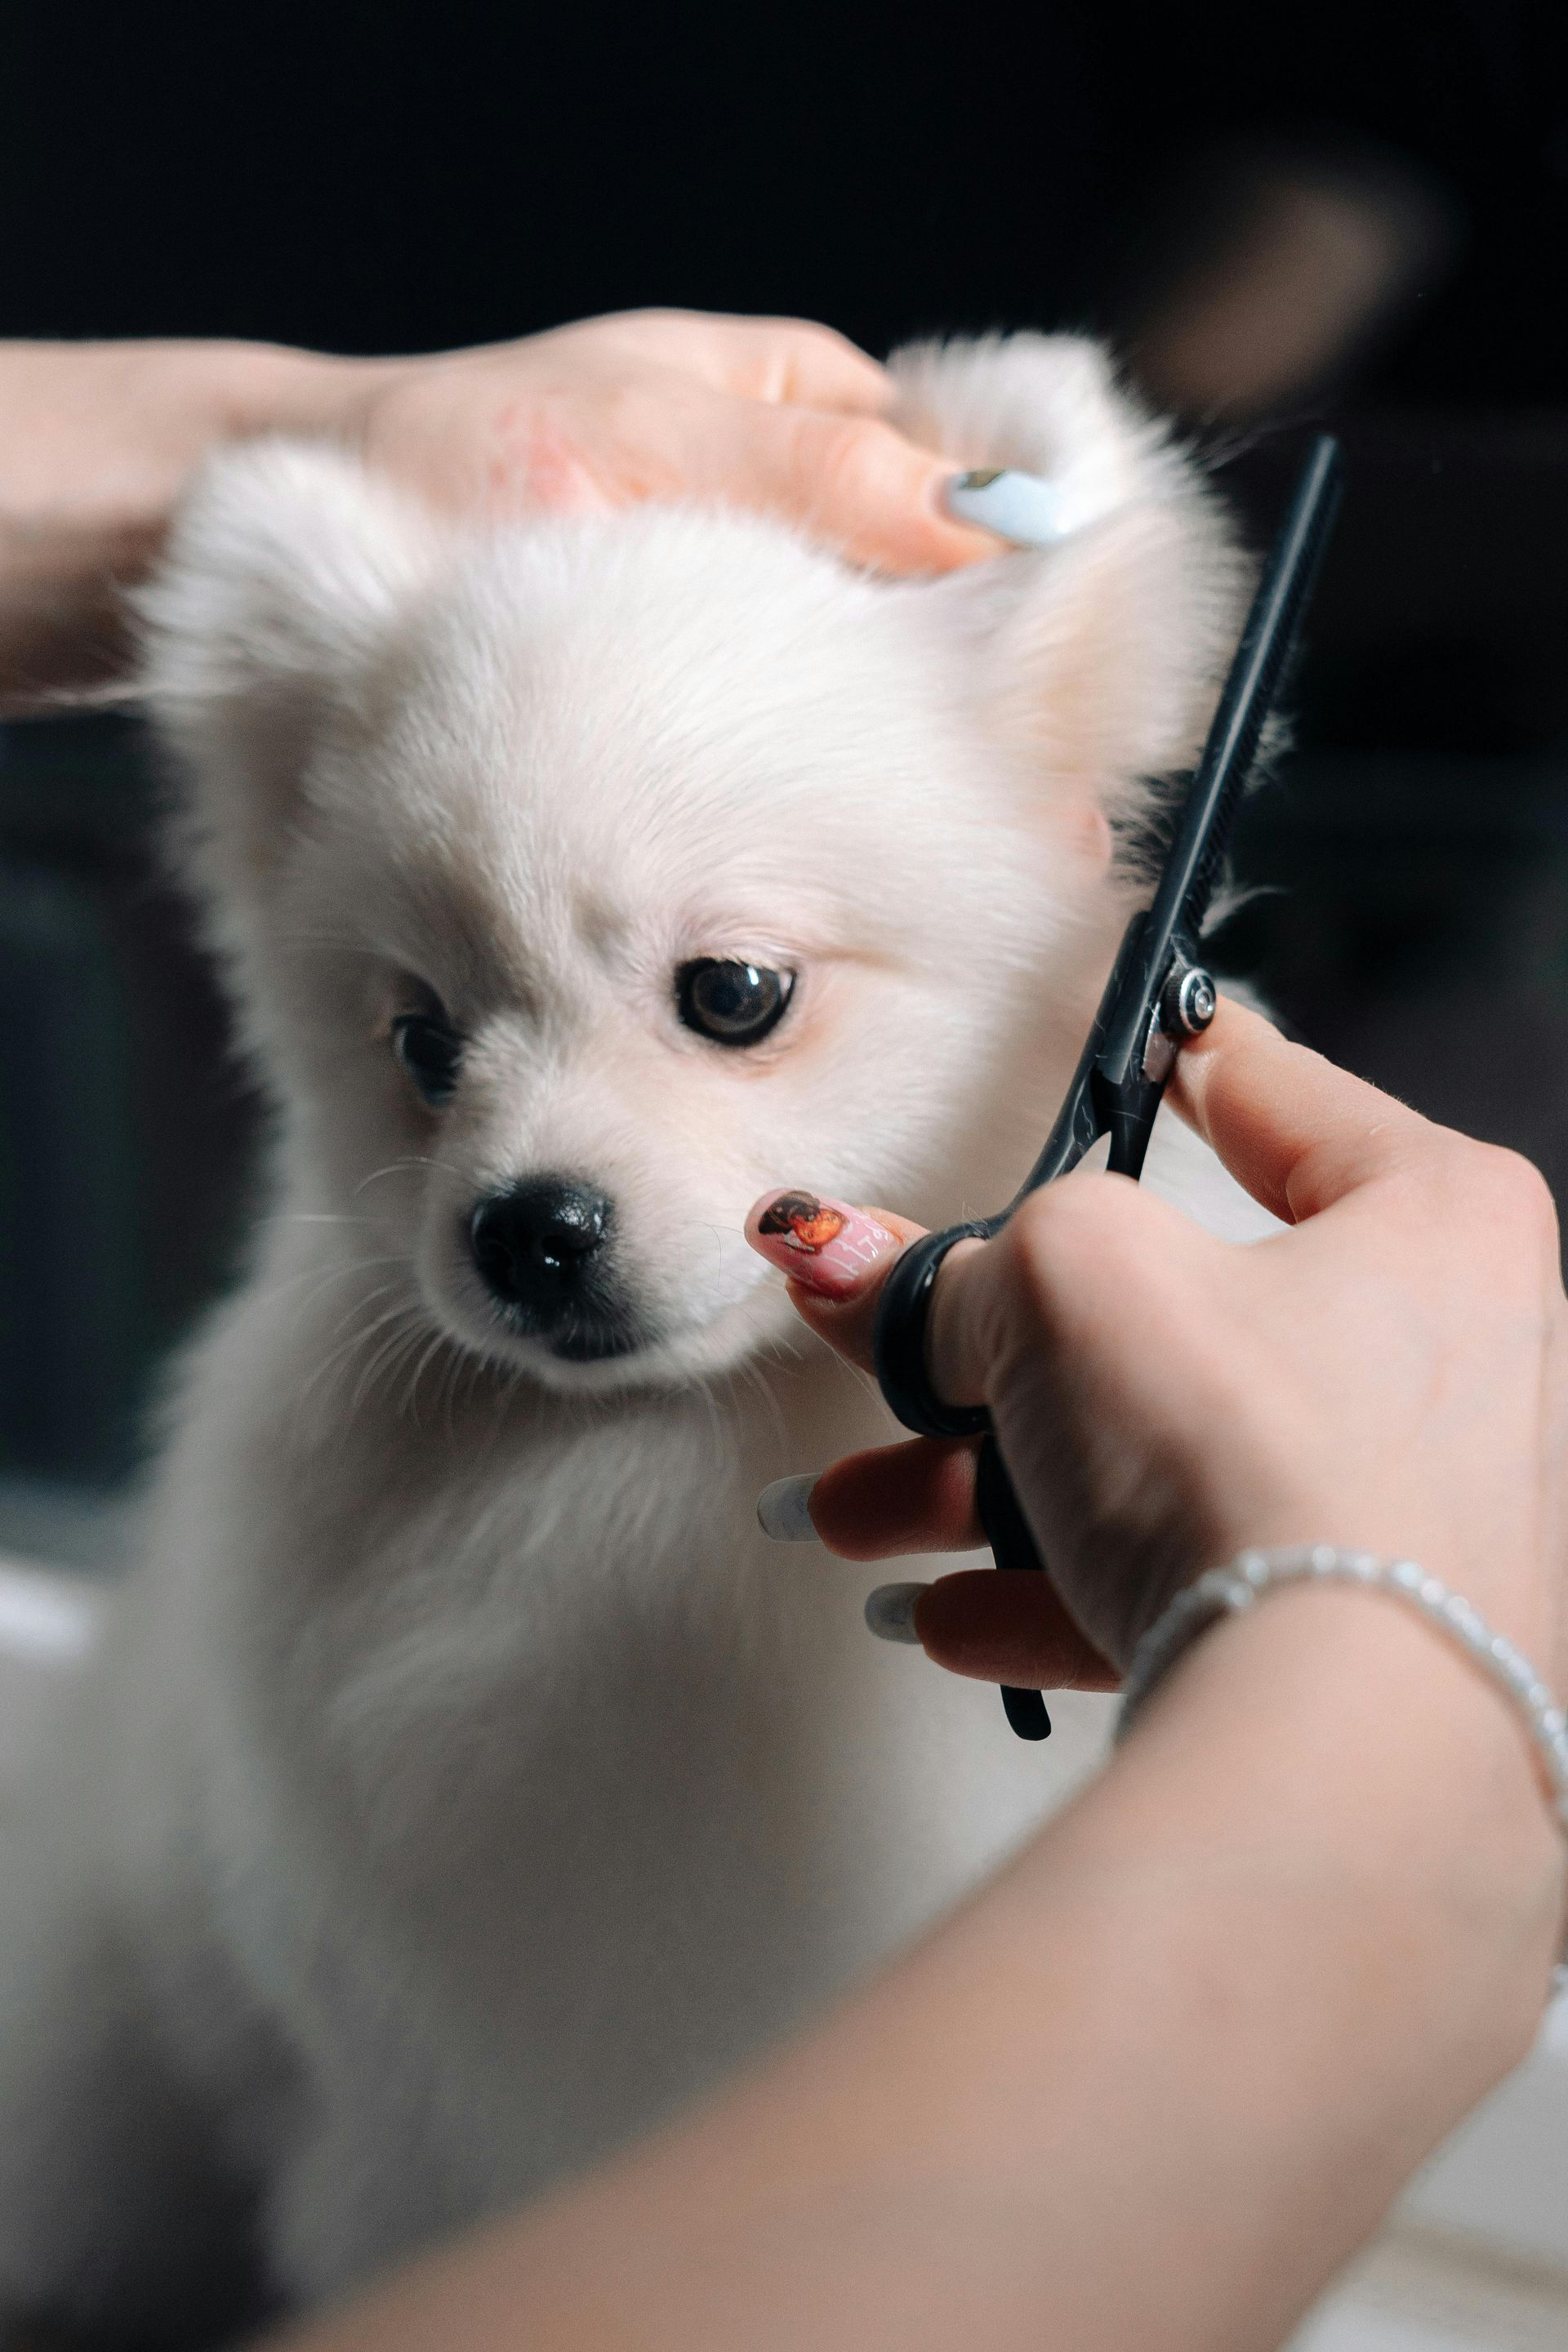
[{"x": 823, "y": 1243}]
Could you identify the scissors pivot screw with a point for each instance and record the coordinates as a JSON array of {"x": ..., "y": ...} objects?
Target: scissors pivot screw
[{"x": 1189, "y": 1002}]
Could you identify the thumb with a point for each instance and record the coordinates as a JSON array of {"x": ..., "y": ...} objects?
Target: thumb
[
  {"x": 1296, "y": 1131},
  {"x": 854, "y": 482}
]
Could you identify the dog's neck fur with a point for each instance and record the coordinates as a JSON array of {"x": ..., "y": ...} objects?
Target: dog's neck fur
[{"x": 466, "y": 1622}]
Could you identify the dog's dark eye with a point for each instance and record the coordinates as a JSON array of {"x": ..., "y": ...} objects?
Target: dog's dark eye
[
  {"x": 430, "y": 1050},
  {"x": 733, "y": 1003}
]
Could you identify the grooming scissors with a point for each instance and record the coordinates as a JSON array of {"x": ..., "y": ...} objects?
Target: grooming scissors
[{"x": 1158, "y": 995}]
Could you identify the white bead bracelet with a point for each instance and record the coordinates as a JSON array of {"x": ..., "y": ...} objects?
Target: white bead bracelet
[{"x": 1223, "y": 1590}]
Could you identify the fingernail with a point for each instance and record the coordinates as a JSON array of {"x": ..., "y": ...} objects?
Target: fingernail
[
  {"x": 784, "y": 1509},
  {"x": 822, "y": 1244},
  {"x": 1023, "y": 508},
  {"x": 891, "y": 1612}
]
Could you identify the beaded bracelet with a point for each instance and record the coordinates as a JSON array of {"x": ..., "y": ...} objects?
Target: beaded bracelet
[{"x": 1225, "y": 1591}]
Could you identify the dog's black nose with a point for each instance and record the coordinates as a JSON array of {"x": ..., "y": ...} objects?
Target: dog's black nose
[{"x": 535, "y": 1246}]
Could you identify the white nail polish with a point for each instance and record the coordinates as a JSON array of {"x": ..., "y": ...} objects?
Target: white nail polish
[
  {"x": 890, "y": 1611},
  {"x": 782, "y": 1512},
  {"x": 1023, "y": 508}
]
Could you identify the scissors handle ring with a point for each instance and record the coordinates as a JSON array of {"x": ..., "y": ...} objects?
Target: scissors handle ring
[{"x": 901, "y": 1339}]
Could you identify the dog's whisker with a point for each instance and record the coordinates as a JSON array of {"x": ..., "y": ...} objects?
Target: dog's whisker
[
  {"x": 753, "y": 1379},
  {"x": 707, "y": 1392},
  {"x": 360, "y": 1337},
  {"x": 402, "y": 1166},
  {"x": 387, "y": 1358},
  {"x": 410, "y": 1402},
  {"x": 296, "y": 934},
  {"x": 362, "y": 1306},
  {"x": 322, "y": 1217},
  {"x": 462, "y": 1366},
  {"x": 322, "y": 1276}
]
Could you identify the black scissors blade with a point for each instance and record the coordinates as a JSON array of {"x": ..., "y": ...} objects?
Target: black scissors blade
[
  {"x": 1120, "y": 1079},
  {"x": 1156, "y": 994},
  {"x": 1252, "y": 690}
]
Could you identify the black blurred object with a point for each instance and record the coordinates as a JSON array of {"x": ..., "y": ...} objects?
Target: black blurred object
[
  {"x": 125, "y": 1129},
  {"x": 404, "y": 182}
]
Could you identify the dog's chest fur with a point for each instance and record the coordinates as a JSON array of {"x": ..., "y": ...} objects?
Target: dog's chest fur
[{"x": 538, "y": 1786}]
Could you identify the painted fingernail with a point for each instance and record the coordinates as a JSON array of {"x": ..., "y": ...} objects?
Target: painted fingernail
[
  {"x": 891, "y": 1612},
  {"x": 784, "y": 1509},
  {"x": 1023, "y": 508},
  {"x": 822, "y": 1244}
]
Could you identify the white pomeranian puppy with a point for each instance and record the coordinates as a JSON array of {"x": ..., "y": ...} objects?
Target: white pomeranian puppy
[{"x": 461, "y": 1780}]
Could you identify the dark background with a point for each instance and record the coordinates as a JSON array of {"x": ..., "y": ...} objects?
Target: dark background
[{"x": 363, "y": 181}]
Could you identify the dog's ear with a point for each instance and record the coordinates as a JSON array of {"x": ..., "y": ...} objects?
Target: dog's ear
[
  {"x": 1100, "y": 657},
  {"x": 284, "y": 575}
]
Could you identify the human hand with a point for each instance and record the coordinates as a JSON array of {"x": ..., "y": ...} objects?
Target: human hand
[
  {"x": 775, "y": 415},
  {"x": 1389, "y": 1373}
]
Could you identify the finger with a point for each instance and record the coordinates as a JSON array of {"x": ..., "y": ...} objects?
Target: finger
[
  {"x": 915, "y": 1497},
  {"x": 795, "y": 362},
  {"x": 837, "y": 1257},
  {"x": 1043, "y": 1281},
  {"x": 1001, "y": 1628},
  {"x": 865, "y": 489},
  {"x": 779, "y": 360},
  {"x": 852, "y": 482},
  {"x": 1299, "y": 1133}
]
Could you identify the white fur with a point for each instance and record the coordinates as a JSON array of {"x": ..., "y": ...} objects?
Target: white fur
[{"x": 462, "y": 1781}]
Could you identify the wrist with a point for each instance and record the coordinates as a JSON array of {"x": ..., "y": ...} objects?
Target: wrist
[
  {"x": 104, "y": 439},
  {"x": 1484, "y": 1555},
  {"x": 261, "y": 388},
  {"x": 1389, "y": 1783}
]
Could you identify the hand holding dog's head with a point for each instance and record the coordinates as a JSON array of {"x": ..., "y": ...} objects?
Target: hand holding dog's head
[{"x": 576, "y": 876}]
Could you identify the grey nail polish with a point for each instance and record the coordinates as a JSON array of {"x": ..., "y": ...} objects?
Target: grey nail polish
[
  {"x": 891, "y": 1612},
  {"x": 1023, "y": 508},
  {"x": 782, "y": 1509}
]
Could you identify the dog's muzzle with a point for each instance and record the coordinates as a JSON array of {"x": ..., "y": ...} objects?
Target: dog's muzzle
[{"x": 541, "y": 1250}]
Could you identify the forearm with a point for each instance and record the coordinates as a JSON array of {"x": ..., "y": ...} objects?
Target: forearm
[
  {"x": 97, "y": 442},
  {"x": 1151, "y": 2088},
  {"x": 1317, "y": 1912}
]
